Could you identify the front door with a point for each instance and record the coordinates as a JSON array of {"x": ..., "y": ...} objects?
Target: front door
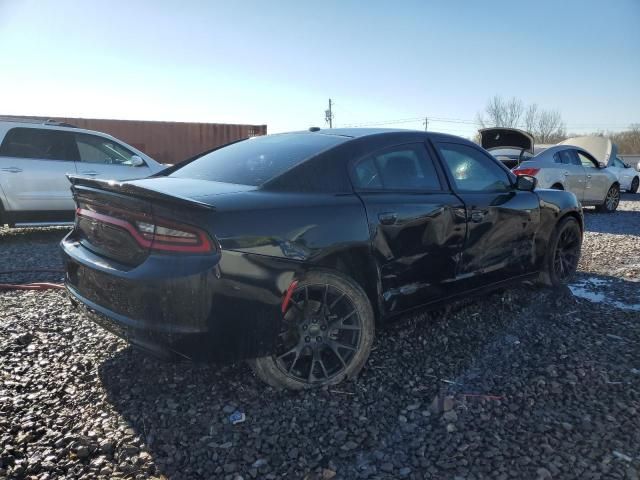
[
  {"x": 501, "y": 221},
  {"x": 596, "y": 184},
  {"x": 34, "y": 163},
  {"x": 101, "y": 157},
  {"x": 417, "y": 225}
]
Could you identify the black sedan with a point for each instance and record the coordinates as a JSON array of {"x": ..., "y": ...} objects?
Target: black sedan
[{"x": 288, "y": 249}]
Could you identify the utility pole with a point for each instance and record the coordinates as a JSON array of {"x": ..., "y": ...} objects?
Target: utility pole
[
  {"x": 426, "y": 123},
  {"x": 328, "y": 115}
]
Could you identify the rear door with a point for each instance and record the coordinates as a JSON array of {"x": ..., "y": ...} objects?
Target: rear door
[
  {"x": 624, "y": 174},
  {"x": 573, "y": 172},
  {"x": 34, "y": 163},
  {"x": 102, "y": 157},
  {"x": 417, "y": 224},
  {"x": 501, "y": 221}
]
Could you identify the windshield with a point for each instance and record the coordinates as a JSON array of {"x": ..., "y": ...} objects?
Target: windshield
[{"x": 257, "y": 160}]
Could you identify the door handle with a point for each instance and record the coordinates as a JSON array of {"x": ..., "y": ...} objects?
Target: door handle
[
  {"x": 388, "y": 218},
  {"x": 12, "y": 169},
  {"x": 91, "y": 173},
  {"x": 566, "y": 173}
]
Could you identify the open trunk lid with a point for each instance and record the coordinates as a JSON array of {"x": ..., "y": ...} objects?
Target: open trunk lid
[
  {"x": 500, "y": 137},
  {"x": 124, "y": 221}
]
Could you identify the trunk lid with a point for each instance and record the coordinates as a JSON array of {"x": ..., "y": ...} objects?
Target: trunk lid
[
  {"x": 122, "y": 221},
  {"x": 500, "y": 137}
]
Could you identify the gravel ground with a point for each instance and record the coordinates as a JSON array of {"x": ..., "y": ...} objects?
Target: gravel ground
[{"x": 525, "y": 383}]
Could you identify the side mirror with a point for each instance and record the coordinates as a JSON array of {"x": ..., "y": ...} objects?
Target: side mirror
[
  {"x": 601, "y": 165},
  {"x": 526, "y": 183},
  {"x": 626, "y": 165},
  {"x": 137, "y": 161}
]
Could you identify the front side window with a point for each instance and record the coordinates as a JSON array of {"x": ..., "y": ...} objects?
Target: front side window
[
  {"x": 94, "y": 149},
  {"x": 404, "y": 167},
  {"x": 41, "y": 144},
  {"x": 586, "y": 161},
  {"x": 472, "y": 171}
]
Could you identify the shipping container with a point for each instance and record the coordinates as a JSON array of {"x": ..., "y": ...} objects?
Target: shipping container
[{"x": 167, "y": 142}]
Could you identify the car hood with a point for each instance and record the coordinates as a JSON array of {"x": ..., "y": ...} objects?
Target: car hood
[
  {"x": 506, "y": 137},
  {"x": 602, "y": 148}
]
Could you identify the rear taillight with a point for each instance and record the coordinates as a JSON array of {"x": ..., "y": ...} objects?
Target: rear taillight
[
  {"x": 161, "y": 235},
  {"x": 526, "y": 171}
]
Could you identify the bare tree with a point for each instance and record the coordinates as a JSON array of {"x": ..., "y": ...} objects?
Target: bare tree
[
  {"x": 545, "y": 125},
  {"x": 501, "y": 113}
]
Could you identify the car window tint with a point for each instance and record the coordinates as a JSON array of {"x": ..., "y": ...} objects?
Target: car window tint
[
  {"x": 566, "y": 157},
  {"x": 404, "y": 167},
  {"x": 473, "y": 171},
  {"x": 44, "y": 144},
  {"x": 257, "y": 160},
  {"x": 585, "y": 161},
  {"x": 94, "y": 149},
  {"x": 367, "y": 175}
]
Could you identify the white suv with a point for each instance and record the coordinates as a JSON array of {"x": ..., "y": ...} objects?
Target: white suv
[{"x": 35, "y": 158}]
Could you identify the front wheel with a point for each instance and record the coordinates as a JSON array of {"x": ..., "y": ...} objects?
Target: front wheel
[
  {"x": 634, "y": 185},
  {"x": 326, "y": 334},
  {"x": 611, "y": 201},
  {"x": 563, "y": 254}
]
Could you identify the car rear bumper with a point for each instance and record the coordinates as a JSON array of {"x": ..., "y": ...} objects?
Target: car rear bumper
[{"x": 217, "y": 307}]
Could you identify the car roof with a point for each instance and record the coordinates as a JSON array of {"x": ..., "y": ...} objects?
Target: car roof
[
  {"x": 18, "y": 123},
  {"x": 358, "y": 132}
]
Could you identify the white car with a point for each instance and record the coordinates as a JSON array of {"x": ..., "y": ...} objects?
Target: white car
[
  {"x": 35, "y": 158},
  {"x": 605, "y": 151},
  {"x": 561, "y": 167}
]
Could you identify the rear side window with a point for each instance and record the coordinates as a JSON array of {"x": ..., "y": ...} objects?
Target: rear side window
[
  {"x": 564, "y": 157},
  {"x": 257, "y": 160},
  {"x": 404, "y": 167},
  {"x": 39, "y": 144},
  {"x": 472, "y": 170}
]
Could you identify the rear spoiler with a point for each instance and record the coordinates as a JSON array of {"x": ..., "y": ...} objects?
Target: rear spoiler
[{"x": 136, "y": 191}]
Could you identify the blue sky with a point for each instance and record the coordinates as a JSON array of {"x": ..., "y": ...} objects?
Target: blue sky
[{"x": 278, "y": 62}]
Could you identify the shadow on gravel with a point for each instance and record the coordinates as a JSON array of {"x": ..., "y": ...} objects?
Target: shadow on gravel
[
  {"x": 516, "y": 345},
  {"x": 622, "y": 222}
]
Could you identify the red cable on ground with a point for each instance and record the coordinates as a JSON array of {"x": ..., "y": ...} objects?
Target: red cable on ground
[{"x": 32, "y": 286}]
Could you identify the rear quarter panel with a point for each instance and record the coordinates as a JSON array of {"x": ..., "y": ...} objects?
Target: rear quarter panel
[{"x": 554, "y": 205}]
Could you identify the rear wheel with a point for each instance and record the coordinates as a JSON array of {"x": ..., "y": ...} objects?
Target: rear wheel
[
  {"x": 326, "y": 334},
  {"x": 634, "y": 185},
  {"x": 611, "y": 200},
  {"x": 561, "y": 261}
]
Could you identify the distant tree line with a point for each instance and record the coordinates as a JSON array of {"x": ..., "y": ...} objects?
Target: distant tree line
[{"x": 546, "y": 126}]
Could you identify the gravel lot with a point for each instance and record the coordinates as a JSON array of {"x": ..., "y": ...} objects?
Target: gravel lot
[{"x": 526, "y": 383}]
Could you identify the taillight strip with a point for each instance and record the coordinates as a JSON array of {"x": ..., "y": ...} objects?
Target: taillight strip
[{"x": 159, "y": 243}]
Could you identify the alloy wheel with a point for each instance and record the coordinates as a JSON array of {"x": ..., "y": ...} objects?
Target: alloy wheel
[
  {"x": 321, "y": 334},
  {"x": 567, "y": 254},
  {"x": 612, "y": 199}
]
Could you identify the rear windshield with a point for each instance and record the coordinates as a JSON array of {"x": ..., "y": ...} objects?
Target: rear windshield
[{"x": 257, "y": 160}]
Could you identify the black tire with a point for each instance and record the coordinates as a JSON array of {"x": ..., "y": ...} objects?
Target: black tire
[
  {"x": 327, "y": 334},
  {"x": 611, "y": 200},
  {"x": 557, "y": 186},
  {"x": 563, "y": 254},
  {"x": 634, "y": 185}
]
